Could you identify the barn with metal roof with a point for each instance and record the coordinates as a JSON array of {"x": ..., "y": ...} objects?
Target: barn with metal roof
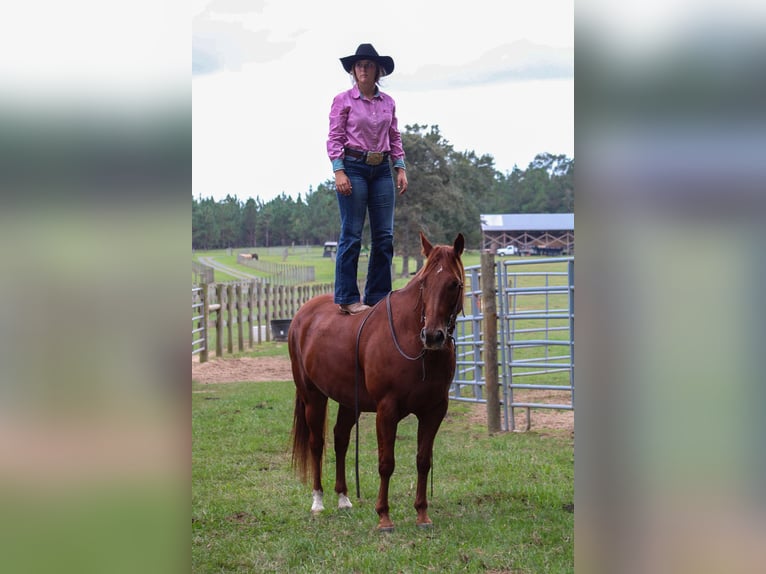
[{"x": 530, "y": 233}]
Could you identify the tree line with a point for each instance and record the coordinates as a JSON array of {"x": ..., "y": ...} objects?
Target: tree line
[{"x": 449, "y": 189}]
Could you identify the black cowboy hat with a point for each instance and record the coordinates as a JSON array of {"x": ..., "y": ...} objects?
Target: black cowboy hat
[{"x": 367, "y": 52}]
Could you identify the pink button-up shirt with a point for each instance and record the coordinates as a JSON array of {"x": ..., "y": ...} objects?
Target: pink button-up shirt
[{"x": 368, "y": 125}]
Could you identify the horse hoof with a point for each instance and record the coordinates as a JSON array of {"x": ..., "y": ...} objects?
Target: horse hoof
[
  {"x": 344, "y": 502},
  {"x": 385, "y": 528},
  {"x": 425, "y": 525},
  {"x": 317, "y": 505}
]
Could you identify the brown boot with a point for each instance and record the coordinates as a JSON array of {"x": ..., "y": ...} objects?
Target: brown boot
[{"x": 353, "y": 308}]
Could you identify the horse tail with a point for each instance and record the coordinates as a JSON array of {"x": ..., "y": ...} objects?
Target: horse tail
[{"x": 301, "y": 453}]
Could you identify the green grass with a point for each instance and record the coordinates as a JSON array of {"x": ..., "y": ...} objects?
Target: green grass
[
  {"x": 265, "y": 349},
  {"x": 501, "y": 503}
]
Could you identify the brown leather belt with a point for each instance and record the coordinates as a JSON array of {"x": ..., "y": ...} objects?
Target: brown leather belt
[{"x": 369, "y": 157}]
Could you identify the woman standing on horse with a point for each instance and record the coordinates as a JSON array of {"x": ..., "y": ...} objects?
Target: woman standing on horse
[{"x": 363, "y": 142}]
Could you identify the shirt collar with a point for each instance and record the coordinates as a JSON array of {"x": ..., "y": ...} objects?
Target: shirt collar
[{"x": 358, "y": 95}]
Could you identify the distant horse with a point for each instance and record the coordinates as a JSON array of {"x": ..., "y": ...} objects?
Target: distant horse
[{"x": 396, "y": 359}]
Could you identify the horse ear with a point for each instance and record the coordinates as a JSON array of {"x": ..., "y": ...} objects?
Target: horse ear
[
  {"x": 427, "y": 247},
  {"x": 459, "y": 244}
]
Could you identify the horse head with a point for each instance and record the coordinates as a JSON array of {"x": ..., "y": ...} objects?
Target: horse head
[{"x": 441, "y": 286}]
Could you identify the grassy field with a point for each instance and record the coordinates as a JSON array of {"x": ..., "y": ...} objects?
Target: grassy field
[
  {"x": 501, "y": 503},
  {"x": 324, "y": 266},
  {"x": 311, "y": 255}
]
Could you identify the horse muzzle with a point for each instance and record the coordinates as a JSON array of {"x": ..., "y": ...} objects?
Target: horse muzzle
[{"x": 433, "y": 340}]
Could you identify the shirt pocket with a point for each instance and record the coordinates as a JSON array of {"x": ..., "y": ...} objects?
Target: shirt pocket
[{"x": 386, "y": 112}]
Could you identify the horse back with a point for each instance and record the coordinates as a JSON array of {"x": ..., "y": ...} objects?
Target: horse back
[{"x": 322, "y": 346}]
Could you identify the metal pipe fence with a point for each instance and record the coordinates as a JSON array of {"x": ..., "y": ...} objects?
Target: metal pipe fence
[
  {"x": 535, "y": 324},
  {"x": 199, "y": 327}
]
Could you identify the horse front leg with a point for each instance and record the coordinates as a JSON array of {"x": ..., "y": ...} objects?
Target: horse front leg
[
  {"x": 385, "y": 424},
  {"x": 342, "y": 434},
  {"x": 428, "y": 425}
]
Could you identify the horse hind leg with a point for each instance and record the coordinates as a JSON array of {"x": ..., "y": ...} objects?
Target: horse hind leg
[
  {"x": 315, "y": 413},
  {"x": 342, "y": 435},
  {"x": 317, "y": 501},
  {"x": 316, "y": 416}
]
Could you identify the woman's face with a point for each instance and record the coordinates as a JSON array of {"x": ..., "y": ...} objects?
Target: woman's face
[{"x": 365, "y": 71}]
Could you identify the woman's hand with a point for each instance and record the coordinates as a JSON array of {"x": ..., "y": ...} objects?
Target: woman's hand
[
  {"x": 401, "y": 181},
  {"x": 342, "y": 182}
]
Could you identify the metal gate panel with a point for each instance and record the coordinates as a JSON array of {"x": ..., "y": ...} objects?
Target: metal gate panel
[{"x": 535, "y": 303}]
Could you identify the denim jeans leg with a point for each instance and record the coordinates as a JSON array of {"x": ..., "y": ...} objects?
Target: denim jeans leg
[
  {"x": 353, "y": 210},
  {"x": 381, "y": 208}
]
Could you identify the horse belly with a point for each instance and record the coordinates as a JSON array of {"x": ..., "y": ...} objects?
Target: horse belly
[{"x": 327, "y": 356}]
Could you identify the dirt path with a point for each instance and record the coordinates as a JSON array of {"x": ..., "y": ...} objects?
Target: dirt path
[
  {"x": 210, "y": 262},
  {"x": 242, "y": 369}
]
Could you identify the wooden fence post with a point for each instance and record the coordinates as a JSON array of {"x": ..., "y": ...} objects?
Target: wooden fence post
[
  {"x": 489, "y": 313},
  {"x": 250, "y": 301},
  {"x": 240, "y": 325},
  {"x": 261, "y": 317},
  {"x": 267, "y": 311},
  {"x": 203, "y": 356},
  {"x": 230, "y": 318},
  {"x": 219, "y": 322}
]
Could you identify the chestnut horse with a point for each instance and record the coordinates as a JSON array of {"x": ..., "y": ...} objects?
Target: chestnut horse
[{"x": 397, "y": 358}]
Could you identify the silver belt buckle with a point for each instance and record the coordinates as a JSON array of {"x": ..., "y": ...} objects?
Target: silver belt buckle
[{"x": 374, "y": 158}]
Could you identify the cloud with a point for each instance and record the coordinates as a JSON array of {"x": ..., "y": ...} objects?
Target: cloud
[
  {"x": 205, "y": 57},
  {"x": 515, "y": 62},
  {"x": 221, "y": 42}
]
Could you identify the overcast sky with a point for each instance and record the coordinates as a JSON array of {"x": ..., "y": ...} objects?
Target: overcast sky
[{"x": 496, "y": 77}]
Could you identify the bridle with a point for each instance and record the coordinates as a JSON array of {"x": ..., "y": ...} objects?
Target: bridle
[
  {"x": 451, "y": 320},
  {"x": 393, "y": 332}
]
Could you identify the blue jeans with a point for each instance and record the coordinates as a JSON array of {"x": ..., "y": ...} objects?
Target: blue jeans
[{"x": 372, "y": 190}]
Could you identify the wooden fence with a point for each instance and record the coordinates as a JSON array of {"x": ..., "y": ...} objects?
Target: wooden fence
[
  {"x": 202, "y": 273},
  {"x": 279, "y": 273},
  {"x": 239, "y": 314}
]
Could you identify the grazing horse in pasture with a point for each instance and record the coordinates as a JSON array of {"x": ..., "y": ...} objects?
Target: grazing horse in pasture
[{"x": 395, "y": 359}]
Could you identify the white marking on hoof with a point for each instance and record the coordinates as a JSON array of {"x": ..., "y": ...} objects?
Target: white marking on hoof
[
  {"x": 344, "y": 502},
  {"x": 318, "y": 505}
]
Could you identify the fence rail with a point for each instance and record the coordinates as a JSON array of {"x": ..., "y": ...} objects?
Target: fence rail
[
  {"x": 279, "y": 273},
  {"x": 535, "y": 314},
  {"x": 202, "y": 273},
  {"x": 198, "y": 330},
  {"x": 240, "y": 313}
]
